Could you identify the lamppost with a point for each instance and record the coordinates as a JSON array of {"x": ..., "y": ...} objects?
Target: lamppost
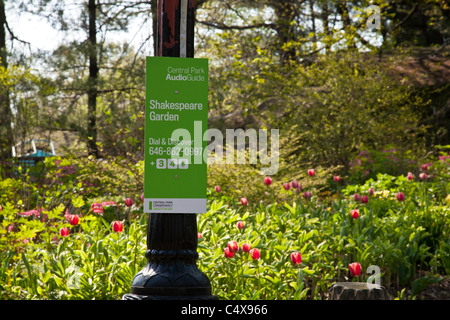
[{"x": 171, "y": 272}]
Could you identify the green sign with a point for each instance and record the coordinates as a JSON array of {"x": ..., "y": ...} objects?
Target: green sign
[{"x": 176, "y": 115}]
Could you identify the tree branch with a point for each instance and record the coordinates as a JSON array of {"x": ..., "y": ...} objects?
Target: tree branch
[{"x": 234, "y": 27}]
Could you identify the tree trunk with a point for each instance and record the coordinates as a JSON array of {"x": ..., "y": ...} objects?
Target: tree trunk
[
  {"x": 92, "y": 82},
  {"x": 6, "y": 140}
]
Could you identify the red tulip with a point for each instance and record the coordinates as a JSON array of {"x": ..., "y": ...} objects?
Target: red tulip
[
  {"x": 311, "y": 172},
  {"x": 364, "y": 199},
  {"x": 246, "y": 247},
  {"x": 73, "y": 219},
  {"x": 336, "y": 178},
  {"x": 217, "y": 188},
  {"x": 355, "y": 269},
  {"x": 286, "y": 186},
  {"x": 64, "y": 232},
  {"x": 199, "y": 235},
  {"x": 128, "y": 202},
  {"x": 410, "y": 176},
  {"x": 296, "y": 257},
  {"x": 117, "y": 226},
  {"x": 400, "y": 196},
  {"x": 233, "y": 246},
  {"x": 244, "y": 201},
  {"x": 240, "y": 225},
  {"x": 267, "y": 181},
  {"x": 424, "y": 167},
  {"x": 255, "y": 254},
  {"x": 354, "y": 213},
  {"x": 142, "y": 197},
  {"x": 228, "y": 253}
]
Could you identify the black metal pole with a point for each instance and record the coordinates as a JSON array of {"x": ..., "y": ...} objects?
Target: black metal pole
[{"x": 171, "y": 272}]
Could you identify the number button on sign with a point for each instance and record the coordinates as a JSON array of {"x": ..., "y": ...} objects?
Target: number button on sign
[
  {"x": 160, "y": 163},
  {"x": 172, "y": 164},
  {"x": 183, "y": 164}
]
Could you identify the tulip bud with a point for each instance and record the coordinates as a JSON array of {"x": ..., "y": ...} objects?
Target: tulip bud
[
  {"x": 233, "y": 246},
  {"x": 295, "y": 185},
  {"x": 355, "y": 269},
  {"x": 255, "y": 254},
  {"x": 244, "y": 201},
  {"x": 357, "y": 197},
  {"x": 410, "y": 176},
  {"x": 286, "y": 186},
  {"x": 336, "y": 178},
  {"x": 240, "y": 225},
  {"x": 73, "y": 219},
  {"x": 64, "y": 232},
  {"x": 128, "y": 202},
  {"x": 217, "y": 188},
  {"x": 364, "y": 199},
  {"x": 354, "y": 213},
  {"x": 246, "y": 247},
  {"x": 267, "y": 180},
  {"x": 424, "y": 167},
  {"x": 311, "y": 172},
  {"x": 400, "y": 196},
  {"x": 117, "y": 226},
  {"x": 228, "y": 253},
  {"x": 423, "y": 176},
  {"x": 296, "y": 258},
  {"x": 371, "y": 192}
]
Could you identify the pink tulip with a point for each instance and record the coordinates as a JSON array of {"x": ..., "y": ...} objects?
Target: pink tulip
[
  {"x": 354, "y": 214},
  {"x": 117, "y": 226},
  {"x": 307, "y": 194},
  {"x": 357, "y": 197},
  {"x": 296, "y": 258},
  {"x": 244, "y": 201},
  {"x": 286, "y": 186},
  {"x": 400, "y": 196},
  {"x": 246, "y": 247},
  {"x": 228, "y": 253},
  {"x": 295, "y": 184},
  {"x": 267, "y": 181},
  {"x": 255, "y": 254},
  {"x": 240, "y": 225},
  {"x": 364, "y": 199},
  {"x": 336, "y": 178},
  {"x": 423, "y": 176},
  {"x": 410, "y": 176},
  {"x": 311, "y": 172},
  {"x": 355, "y": 269},
  {"x": 128, "y": 202},
  {"x": 233, "y": 246},
  {"x": 73, "y": 219},
  {"x": 217, "y": 189},
  {"x": 371, "y": 192},
  {"x": 64, "y": 232}
]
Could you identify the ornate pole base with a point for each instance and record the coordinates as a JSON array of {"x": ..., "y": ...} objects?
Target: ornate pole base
[{"x": 171, "y": 272}]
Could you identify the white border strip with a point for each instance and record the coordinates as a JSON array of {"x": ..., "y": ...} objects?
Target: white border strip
[
  {"x": 175, "y": 205},
  {"x": 183, "y": 28}
]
